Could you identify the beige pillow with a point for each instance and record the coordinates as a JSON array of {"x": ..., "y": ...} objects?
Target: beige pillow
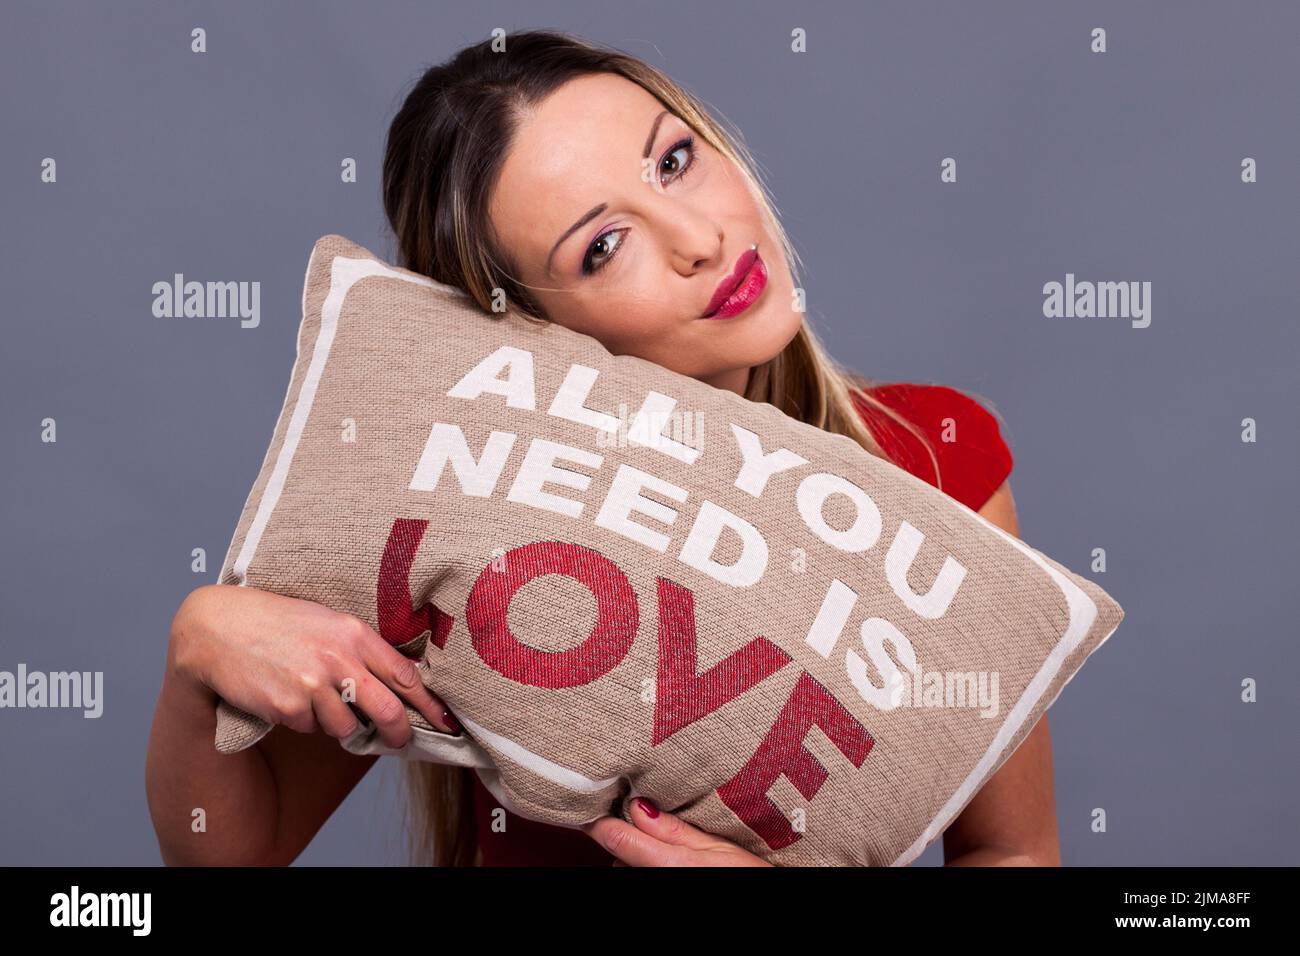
[{"x": 758, "y": 625}]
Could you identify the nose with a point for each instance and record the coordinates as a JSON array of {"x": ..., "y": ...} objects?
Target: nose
[{"x": 694, "y": 238}]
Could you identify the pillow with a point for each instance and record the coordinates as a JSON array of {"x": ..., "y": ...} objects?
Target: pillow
[{"x": 624, "y": 581}]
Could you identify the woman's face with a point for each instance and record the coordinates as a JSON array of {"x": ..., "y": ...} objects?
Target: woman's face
[{"x": 635, "y": 260}]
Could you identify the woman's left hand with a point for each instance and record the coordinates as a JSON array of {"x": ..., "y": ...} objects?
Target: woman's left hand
[{"x": 661, "y": 839}]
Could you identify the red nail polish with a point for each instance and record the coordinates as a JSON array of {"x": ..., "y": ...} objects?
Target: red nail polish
[
  {"x": 450, "y": 720},
  {"x": 651, "y": 810}
]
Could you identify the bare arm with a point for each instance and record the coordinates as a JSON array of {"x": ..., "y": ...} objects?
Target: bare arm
[
  {"x": 185, "y": 773},
  {"x": 1012, "y": 820},
  {"x": 260, "y": 806}
]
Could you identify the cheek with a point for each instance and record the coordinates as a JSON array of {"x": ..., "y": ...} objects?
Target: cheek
[{"x": 635, "y": 321}]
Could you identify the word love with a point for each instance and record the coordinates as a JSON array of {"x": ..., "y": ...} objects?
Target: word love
[{"x": 682, "y": 696}]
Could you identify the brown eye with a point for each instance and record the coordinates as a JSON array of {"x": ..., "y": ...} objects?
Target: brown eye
[
  {"x": 673, "y": 167},
  {"x": 599, "y": 252}
]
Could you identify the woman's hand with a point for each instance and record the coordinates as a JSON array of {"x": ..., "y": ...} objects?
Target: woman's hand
[
  {"x": 285, "y": 660},
  {"x": 661, "y": 839}
]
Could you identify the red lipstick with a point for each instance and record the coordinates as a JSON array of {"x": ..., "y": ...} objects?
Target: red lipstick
[{"x": 741, "y": 289}]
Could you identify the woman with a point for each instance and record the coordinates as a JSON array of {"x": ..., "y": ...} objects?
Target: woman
[{"x": 579, "y": 185}]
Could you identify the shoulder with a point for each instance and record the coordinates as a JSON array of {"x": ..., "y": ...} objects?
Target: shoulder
[{"x": 973, "y": 456}]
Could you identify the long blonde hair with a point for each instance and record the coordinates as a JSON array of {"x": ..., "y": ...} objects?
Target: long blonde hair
[{"x": 444, "y": 150}]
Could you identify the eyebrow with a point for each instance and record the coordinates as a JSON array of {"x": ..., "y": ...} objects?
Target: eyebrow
[{"x": 597, "y": 210}]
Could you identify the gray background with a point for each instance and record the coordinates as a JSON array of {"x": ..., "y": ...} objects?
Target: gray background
[{"x": 1119, "y": 166}]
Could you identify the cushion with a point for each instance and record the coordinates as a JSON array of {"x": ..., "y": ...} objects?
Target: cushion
[{"x": 624, "y": 581}]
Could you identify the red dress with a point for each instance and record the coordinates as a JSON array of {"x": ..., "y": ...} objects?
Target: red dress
[{"x": 974, "y": 462}]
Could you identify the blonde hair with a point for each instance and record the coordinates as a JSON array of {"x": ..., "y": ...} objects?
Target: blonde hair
[{"x": 444, "y": 150}]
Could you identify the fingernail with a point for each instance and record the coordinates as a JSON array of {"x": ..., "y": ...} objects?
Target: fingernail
[
  {"x": 450, "y": 720},
  {"x": 651, "y": 810}
]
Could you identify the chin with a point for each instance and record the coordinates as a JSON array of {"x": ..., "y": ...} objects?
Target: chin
[
  {"x": 763, "y": 348},
  {"x": 778, "y": 332}
]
